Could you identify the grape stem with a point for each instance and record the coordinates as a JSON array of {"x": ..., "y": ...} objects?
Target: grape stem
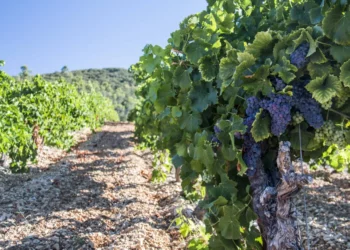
[{"x": 340, "y": 113}]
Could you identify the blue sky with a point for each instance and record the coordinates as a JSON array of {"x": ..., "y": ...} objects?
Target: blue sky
[{"x": 48, "y": 34}]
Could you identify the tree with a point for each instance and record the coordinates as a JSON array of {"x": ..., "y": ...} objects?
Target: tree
[
  {"x": 25, "y": 72},
  {"x": 64, "y": 69},
  {"x": 240, "y": 91}
]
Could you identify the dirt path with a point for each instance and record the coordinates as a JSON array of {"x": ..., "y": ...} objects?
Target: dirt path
[{"x": 96, "y": 197}]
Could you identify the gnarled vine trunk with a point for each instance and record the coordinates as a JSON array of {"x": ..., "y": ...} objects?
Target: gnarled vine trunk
[{"x": 273, "y": 204}]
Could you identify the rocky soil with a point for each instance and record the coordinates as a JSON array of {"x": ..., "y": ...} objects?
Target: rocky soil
[{"x": 99, "y": 196}]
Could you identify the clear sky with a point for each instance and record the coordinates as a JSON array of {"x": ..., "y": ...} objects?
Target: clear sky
[{"x": 48, "y": 34}]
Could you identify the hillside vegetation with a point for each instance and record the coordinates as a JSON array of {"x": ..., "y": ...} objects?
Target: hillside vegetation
[{"x": 114, "y": 83}]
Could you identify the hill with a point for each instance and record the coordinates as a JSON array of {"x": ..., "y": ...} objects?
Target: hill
[{"x": 114, "y": 83}]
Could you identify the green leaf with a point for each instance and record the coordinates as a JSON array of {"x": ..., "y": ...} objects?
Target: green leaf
[
  {"x": 197, "y": 165},
  {"x": 165, "y": 95},
  {"x": 208, "y": 67},
  {"x": 340, "y": 53},
  {"x": 177, "y": 38},
  {"x": 176, "y": 112},
  {"x": 177, "y": 161},
  {"x": 345, "y": 74},
  {"x": 150, "y": 62},
  {"x": 284, "y": 70},
  {"x": 245, "y": 60},
  {"x": 323, "y": 89},
  {"x": 261, "y": 127},
  {"x": 185, "y": 229},
  {"x": 316, "y": 15},
  {"x": 319, "y": 70},
  {"x": 336, "y": 25},
  {"x": 258, "y": 82},
  {"x": 202, "y": 96},
  {"x": 306, "y": 137},
  {"x": 228, "y": 153},
  {"x": 227, "y": 68},
  {"x": 318, "y": 57},
  {"x": 227, "y": 189},
  {"x": 262, "y": 43},
  {"x": 242, "y": 164},
  {"x": 190, "y": 122},
  {"x": 250, "y": 215},
  {"x": 182, "y": 78},
  {"x": 229, "y": 225},
  {"x": 221, "y": 201},
  {"x": 195, "y": 51}
]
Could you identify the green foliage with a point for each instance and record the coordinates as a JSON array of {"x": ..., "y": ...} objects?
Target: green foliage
[
  {"x": 201, "y": 79},
  {"x": 113, "y": 83},
  {"x": 55, "y": 110}
]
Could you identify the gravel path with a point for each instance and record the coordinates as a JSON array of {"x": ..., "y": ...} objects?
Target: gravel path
[{"x": 96, "y": 197}]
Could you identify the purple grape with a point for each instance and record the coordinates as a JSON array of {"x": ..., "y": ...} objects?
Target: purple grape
[
  {"x": 252, "y": 157},
  {"x": 238, "y": 135},
  {"x": 279, "y": 107},
  {"x": 215, "y": 141},
  {"x": 298, "y": 57},
  {"x": 308, "y": 107},
  {"x": 278, "y": 83},
  {"x": 217, "y": 130},
  {"x": 253, "y": 105}
]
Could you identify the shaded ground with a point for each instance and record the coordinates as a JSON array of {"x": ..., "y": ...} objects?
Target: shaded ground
[
  {"x": 99, "y": 197},
  {"x": 327, "y": 202}
]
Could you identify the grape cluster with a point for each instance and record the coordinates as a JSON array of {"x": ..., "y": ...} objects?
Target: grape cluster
[
  {"x": 327, "y": 105},
  {"x": 278, "y": 83},
  {"x": 217, "y": 130},
  {"x": 310, "y": 109},
  {"x": 298, "y": 57},
  {"x": 297, "y": 118},
  {"x": 215, "y": 142},
  {"x": 252, "y": 157},
  {"x": 339, "y": 102},
  {"x": 329, "y": 134},
  {"x": 251, "y": 149},
  {"x": 253, "y": 105},
  {"x": 279, "y": 107}
]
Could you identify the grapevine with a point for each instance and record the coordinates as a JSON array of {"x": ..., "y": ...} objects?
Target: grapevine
[
  {"x": 250, "y": 77},
  {"x": 36, "y": 108}
]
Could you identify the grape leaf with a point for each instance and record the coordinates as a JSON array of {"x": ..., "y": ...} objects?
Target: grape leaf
[
  {"x": 318, "y": 57},
  {"x": 208, "y": 68},
  {"x": 261, "y": 126},
  {"x": 220, "y": 201},
  {"x": 176, "y": 112},
  {"x": 324, "y": 88},
  {"x": 319, "y": 70},
  {"x": 345, "y": 74},
  {"x": 340, "y": 53},
  {"x": 228, "y": 153},
  {"x": 229, "y": 224},
  {"x": 261, "y": 43},
  {"x": 336, "y": 25},
  {"x": 202, "y": 96},
  {"x": 227, "y": 68},
  {"x": 316, "y": 15},
  {"x": 284, "y": 70},
  {"x": 190, "y": 122},
  {"x": 245, "y": 60},
  {"x": 195, "y": 51},
  {"x": 182, "y": 78}
]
